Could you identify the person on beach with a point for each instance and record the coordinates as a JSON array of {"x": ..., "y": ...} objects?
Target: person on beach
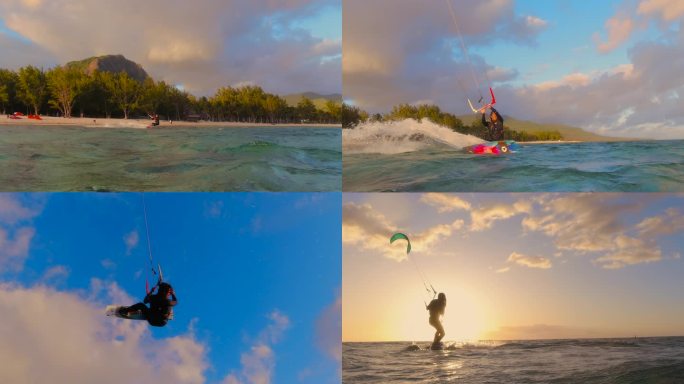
[
  {"x": 436, "y": 308},
  {"x": 495, "y": 127},
  {"x": 155, "y": 120},
  {"x": 159, "y": 312}
]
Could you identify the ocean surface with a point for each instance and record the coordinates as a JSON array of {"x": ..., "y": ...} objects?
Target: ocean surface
[
  {"x": 411, "y": 156},
  {"x": 590, "y": 361},
  {"x": 67, "y": 158}
]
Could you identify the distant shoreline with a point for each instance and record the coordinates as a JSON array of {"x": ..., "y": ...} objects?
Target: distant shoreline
[{"x": 142, "y": 123}]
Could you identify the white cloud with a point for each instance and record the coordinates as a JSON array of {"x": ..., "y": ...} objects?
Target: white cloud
[
  {"x": 14, "y": 247},
  {"x": 529, "y": 261},
  {"x": 668, "y": 10},
  {"x": 190, "y": 43},
  {"x": 57, "y": 273},
  {"x": 445, "y": 202},
  {"x": 484, "y": 217},
  {"x": 368, "y": 229},
  {"x": 329, "y": 330},
  {"x": 619, "y": 30},
  {"x": 594, "y": 224},
  {"x": 671, "y": 222},
  {"x": 13, "y": 210},
  {"x": 131, "y": 240},
  {"x": 73, "y": 342},
  {"x": 536, "y": 22},
  {"x": 259, "y": 362}
]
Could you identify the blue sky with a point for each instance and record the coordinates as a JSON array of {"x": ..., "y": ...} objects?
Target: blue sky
[
  {"x": 600, "y": 66},
  {"x": 514, "y": 266},
  {"x": 237, "y": 262},
  {"x": 285, "y": 47}
]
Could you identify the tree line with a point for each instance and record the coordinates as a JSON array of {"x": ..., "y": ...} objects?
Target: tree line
[
  {"x": 68, "y": 91},
  {"x": 352, "y": 116}
]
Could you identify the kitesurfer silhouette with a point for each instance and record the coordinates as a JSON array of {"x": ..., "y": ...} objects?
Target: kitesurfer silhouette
[
  {"x": 436, "y": 308},
  {"x": 495, "y": 127},
  {"x": 159, "y": 312}
]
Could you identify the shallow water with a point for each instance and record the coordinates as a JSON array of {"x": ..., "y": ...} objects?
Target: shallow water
[
  {"x": 646, "y": 166},
  {"x": 643, "y": 360},
  {"x": 65, "y": 158}
]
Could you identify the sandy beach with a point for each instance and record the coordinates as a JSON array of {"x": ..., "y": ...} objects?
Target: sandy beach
[{"x": 140, "y": 123}]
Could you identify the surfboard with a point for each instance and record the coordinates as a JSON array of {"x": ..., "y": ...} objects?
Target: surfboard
[
  {"x": 437, "y": 346},
  {"x": 503, "y": 147}
]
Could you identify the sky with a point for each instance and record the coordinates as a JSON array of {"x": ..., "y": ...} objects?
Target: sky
[
  {"x": 283, "y": 46},
  {"x": 611, "y": 67},
  {"x": 513, "y": 266},
  {"x": 257, "y": 278}
]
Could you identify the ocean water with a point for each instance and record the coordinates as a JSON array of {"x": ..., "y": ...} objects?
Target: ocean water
[
  {"x": 410, "y": 156},
  {"x": 590, "y": 361},
  {"x": 67, "y": 158}
]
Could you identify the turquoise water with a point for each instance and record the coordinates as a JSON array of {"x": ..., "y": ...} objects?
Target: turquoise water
[
  {"x": 592, "y": 361},
  {"x": 170, "y": 159},
  {"x": 645, "y": 166}
]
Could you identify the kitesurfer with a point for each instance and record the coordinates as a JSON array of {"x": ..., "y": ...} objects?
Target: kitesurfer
[
  {"x": 436, "y": 308},
  {"x": 495, "y": 127},
  {"x": 159, "y": 312},
  {"x": 155, "y": 120}
]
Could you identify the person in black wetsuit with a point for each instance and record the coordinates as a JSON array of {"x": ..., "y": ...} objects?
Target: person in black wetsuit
[
  {"x": 160, "y": 311},
  {"x": 495, "y": 127},
  {"x": 436, "y": 308}
]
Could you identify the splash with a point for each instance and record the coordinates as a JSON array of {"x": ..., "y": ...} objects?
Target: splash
[{"x": 403, "y": 136}]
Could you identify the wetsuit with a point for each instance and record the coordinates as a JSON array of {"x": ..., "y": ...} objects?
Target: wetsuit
[
  {"x": 436, "y": 308},
  {"x": 159, "y": 311},
  {"x": 495, "y": 129}
]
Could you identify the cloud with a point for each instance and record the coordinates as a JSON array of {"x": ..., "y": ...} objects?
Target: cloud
[
  {"x": 131, "y": 240},
  {"x": 629, "y": 250},
  {"x": 259, "y": 362},
  {"x": 484, "y": 217},
  {"x": 445, "y": 202},
  {"x": 668, "y": 10},
  {"x": 13, "y": 210},
  {"x": 594, "y": 224},
  {"x": 14, "y": 248},
  {"x": 671, "y": 222},
  {"x": 425, "y": 57},
  {"x": 370, "y": 230},
  {"x": 329, "y": 330},
  {"x": 55, "y": 274},
  {"x": 213, "y": 209},
  {"x": 72, "y": 330},
  {"x": 529, "y": 261},
  {"x": 619, "y": 30},
  {"x": 192, "y": 44},
  {"x": 16, "y": 233}
]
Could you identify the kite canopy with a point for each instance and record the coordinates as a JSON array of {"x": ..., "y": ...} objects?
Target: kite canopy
[{"x": 398, "y": 236}]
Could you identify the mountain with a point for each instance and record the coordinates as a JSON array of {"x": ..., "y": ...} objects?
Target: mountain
[
  {"x": 111, "y": 63},
  {"x": 569, "y": 133},
  {"x": 318, "y": 99}
]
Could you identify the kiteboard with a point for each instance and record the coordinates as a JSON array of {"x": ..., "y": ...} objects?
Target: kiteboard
[
  {"x": 113, "y": 310},
  {"x": 437, "y": 346},
  {"x": 494, "y": 148}
]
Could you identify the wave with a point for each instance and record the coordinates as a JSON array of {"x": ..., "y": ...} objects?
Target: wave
[
  {"x": 403, "y": 136},
  {"x": 656, "y": 371}
]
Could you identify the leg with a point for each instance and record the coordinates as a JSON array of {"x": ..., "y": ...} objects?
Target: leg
[
  {"x": 134, "y": 308},
  {"x": 439, "y": 335}
]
